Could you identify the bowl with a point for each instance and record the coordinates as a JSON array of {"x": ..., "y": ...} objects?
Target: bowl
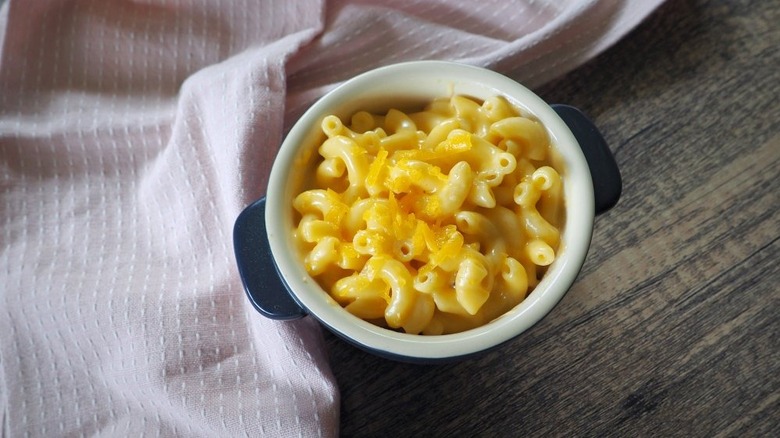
[{"x": 272, "y": 271}]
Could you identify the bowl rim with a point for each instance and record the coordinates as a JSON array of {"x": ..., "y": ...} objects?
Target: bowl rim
[{"x": 578, "y": 192}]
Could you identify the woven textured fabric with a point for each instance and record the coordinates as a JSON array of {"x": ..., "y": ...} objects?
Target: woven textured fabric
[{"x": 133, "y": 132}]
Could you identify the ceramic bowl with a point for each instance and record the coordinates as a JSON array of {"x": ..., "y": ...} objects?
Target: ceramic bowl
[{"x": 272, "y": 271}]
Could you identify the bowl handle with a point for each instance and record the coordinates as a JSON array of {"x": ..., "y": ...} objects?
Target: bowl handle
[
  {"x": 262, "y": 283},
  {"x": 607, "y": 184}
]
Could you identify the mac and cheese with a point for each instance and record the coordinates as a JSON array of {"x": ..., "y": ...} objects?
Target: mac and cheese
[{"x": 434, "y": 221}]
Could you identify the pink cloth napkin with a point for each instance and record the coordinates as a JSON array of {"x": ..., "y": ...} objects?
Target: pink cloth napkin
[{"x": 133, "y": 132}]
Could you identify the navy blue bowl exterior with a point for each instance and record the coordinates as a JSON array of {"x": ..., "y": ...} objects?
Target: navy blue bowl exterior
[
  {"x": 414, "y": 359},
  {"x": 607, "y": 183},
  {"x": 259, "y": 274},
  {"x": 272, "y": 297}
]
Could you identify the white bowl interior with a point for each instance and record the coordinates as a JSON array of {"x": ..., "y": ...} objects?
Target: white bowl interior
[{"x": 409, "y": 86}]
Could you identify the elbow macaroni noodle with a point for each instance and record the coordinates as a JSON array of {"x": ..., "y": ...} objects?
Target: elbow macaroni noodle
[{"x": 434, "y": 221}]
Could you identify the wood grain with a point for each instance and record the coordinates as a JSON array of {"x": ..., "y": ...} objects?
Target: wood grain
[{"x": 672, "y": 327}]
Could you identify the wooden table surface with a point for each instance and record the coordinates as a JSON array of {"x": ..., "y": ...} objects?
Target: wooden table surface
[{"x": 672, "y": 327}]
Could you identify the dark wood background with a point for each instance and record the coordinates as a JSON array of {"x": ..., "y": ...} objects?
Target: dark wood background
[{"x": 672, "y": 327}]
